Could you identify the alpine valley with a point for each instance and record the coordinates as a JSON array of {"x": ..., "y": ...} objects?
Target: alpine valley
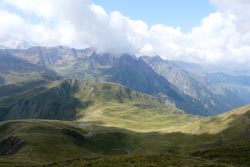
[{"x": 61, "y": 106}]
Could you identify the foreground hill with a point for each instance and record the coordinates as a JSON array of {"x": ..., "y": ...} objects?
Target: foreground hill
[
  {"x": 57, "y": 143},
  {"x": 67, "y": 143}
]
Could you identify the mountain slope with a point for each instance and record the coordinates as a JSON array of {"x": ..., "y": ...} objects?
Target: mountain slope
[
  {"x": 137, "y": 75},
  {"x": 196, "y": 93},
  {"x": 236, "y": 120},
  {"x": 87, "y": 65},
  {"x": 13, "y": 69},
  {"x": 185, "y": 81}
]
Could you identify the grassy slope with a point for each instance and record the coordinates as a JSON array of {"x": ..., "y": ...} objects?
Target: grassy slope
[
  {"x": 134, "y": 118},
  {"x": 141, "y": 161},
  {"x": 107, "y": 104},
  {"x": 194, "y": 147},
  {"x": 237, "y": 118},
  {"x": 46, "y": 143},
  {"x": 138, "y": 112}
]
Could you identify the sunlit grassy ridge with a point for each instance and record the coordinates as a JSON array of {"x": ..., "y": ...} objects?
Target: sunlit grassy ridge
[
  {"x": 237, "y": 118},
  {"x": 131, "y": 117}
]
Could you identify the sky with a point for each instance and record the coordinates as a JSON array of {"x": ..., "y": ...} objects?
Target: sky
[
  {"x": 176, "y": 13},
  {"x": 199, "y": 31}
]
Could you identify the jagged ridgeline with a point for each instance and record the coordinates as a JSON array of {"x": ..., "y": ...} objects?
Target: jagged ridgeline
[{"x": 14, "y": 70}]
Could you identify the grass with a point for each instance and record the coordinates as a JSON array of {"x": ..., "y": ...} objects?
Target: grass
[
  {"x": 141, "y": 161},
  {"x": 131, "y": 117},
  {"x": 113, "y": 104},
  {"x": 72, "y": 143},
  {"x": 42, "y": 138},
  {"x": 237, "y": 119}
]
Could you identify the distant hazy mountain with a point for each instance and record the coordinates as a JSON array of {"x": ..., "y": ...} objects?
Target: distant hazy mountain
[
  {"x": 190, "y": 67},
  {"x": 14, "y": 69},
  {"x": 222, "y": 78},
  {"x": 235, "y": 86},
  {"x": 214, "y": 97},
  {"x": 49, "y": 56},
  {"x": 243, "y": 70}
]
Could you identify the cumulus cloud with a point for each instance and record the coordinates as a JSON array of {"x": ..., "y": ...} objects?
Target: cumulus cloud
[
  {"x": 222, "y": 37},
  {"x": 240, "y": 8}
]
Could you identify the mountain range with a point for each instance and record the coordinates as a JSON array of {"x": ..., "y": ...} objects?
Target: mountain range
[{"x": 201, "y": 94}]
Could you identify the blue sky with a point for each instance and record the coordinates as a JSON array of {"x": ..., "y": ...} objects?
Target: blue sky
[{"x": 185, "y": 14}]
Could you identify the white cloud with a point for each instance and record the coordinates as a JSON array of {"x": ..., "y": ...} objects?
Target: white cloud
[
  {"x": 240, "y": 8},
  {"x": 222, "y": 37},
  {"x": 15, "y": 30},
  {"x": 12, "y": 26}
]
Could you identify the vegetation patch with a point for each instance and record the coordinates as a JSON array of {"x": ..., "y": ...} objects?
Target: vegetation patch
[{"x": 11, "y": 145}]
